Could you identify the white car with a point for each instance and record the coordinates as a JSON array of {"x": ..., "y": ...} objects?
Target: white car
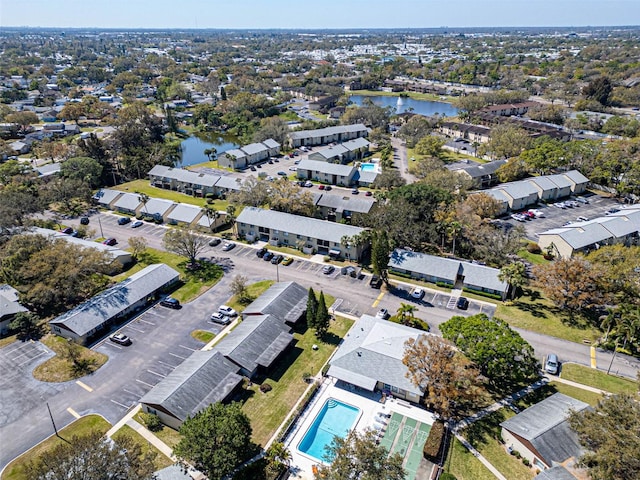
[
  {"x": 537, "y": 213},
  {"x": 219, "y": 318},
  {"x": 383, "y": 313},
  {"x": 417, "y": 293},
  {"x": 228, "y": 311}
]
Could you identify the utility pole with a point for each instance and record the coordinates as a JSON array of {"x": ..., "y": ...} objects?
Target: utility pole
[
  {"x": 54, "y": 423},
  {"x": 100, "y": 223}
]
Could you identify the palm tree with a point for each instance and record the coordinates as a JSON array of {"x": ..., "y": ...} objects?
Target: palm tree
[
  {"x": 144, "y": 198},
  {"x": 406, "y": 313},
  {"x": 231, "y": 216},
  {"x": 454, "y": 230},
  {"x": 278, "y": 453},
  {"x": 210, "y": 213},
  {"x": 210, "y": 153}
]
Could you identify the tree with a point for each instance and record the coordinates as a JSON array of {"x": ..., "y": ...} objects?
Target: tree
[
  {"x": 430, "y": 146},
  {"x": 24, "y": 119},
  {"x": 369, "y": 114},
  {"x": 92, "y": 457},
  {"x": 619, "y": 274},
  {"x": 450, "y": 382},
  {"x": 507, "y": 141},
  {"x": 388, "y": 180},
  {"x": 321, "y": 323},
  {"x": 414, "y": 129},
  {"x": 571, "y": 284},
  {"x": 544, "y": 155},
  {"x": 24, "y": 324},
  {"x": 312, "y": 309},
  {"x": 82, "y": 168},
  {"x": 143, "y": 198},
  {"x": 406, "y": 313},
  {"x": 514, "y": 169},
  {"x": 73, "y": 111},
  {"x": 500, "y": 353},
  {"x": 239, "y": 287},
  {"x": 380, "y": 251},
  {"x": 185, "y": 242},
  {"x": 515, "y": 274},
  {"x": 599, "y": 89},
  {"x": 274, "y": 128},
  {"x": 359, "y": 457},
  {"x": 609, "y": 434},
  {"x": 216, "y": 440},
  {"x": 138, "y": 246}
]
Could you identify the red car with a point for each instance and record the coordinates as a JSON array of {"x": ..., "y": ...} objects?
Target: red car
[
  {"x": 321, "y": 187},
  {"x": 110, "y": 241}
]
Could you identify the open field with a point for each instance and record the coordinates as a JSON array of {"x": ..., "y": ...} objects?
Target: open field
[{"x": 597, "y": 379}]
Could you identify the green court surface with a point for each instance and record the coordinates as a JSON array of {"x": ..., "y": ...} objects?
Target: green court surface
[
  {"x": 406, "y": 437},
  {"x": 392, "y": 429}
]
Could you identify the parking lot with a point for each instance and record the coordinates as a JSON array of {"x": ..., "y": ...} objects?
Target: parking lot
[{"x": 555, "y": 217}]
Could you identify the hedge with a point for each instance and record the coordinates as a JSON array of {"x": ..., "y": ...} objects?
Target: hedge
[
  {"x": 444, "y": 285},
  {"x": 494, "y": 296},
  {"x": 434, "y": 441}
]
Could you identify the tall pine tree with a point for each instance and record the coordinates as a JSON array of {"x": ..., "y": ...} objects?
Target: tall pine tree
[
  {"x": 312, "y": 309},
  {"x": 322, "y": 317}
]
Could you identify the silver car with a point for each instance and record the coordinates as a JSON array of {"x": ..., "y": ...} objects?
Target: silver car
[{"x": 552, "y": 365}]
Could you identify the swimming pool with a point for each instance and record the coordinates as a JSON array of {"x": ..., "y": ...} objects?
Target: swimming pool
[
  {"x": 334, "y": 419},
  {"x": 369, "y": 167}
]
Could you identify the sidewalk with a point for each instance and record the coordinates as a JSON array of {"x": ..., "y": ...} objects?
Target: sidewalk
[{"x": 152, "y": 439}]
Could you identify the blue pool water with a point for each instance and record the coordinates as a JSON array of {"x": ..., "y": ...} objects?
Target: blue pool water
[
  {"x": 368, "y": 167},
  {"x": 334, "y": 419}
]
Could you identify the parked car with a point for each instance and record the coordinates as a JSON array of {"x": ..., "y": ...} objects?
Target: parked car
[
  {"x": 355, "y": 191},
  {"x": 293, "y": 169},
  {"x": 136, "y": 224},
  {"x": 560, "y": 205},
  {"x": 320, "y": 187},
  {"x": 572, "y": 203},
  {"x": 375, "y": 282},
  {"x": 518, "y": 217},
  {"x": 217, "y": 317},
  {"x": 287, "y": 261},
  {"x": 352, "y": 272},
  {"x": 582, "y": 218},
  {"x": 551, "y": 365},
  {"x": 110, "y": 241},
  {"x": 530, "y": 215},
  {"x": 417, "y": 293},
  {"x": 267, "y": 256},
  {"x": 368, "y": 194},
  {"x": 611, "y": 211},
  {"x": 308, "y": 184},
  {"x": 75, "y": 234},
  {"x": 328, "y": 187},
  {"x": 214, "y": 242},
  {"x": 537, "y": 213},
  {"x": 462, "y": 303},
  {"x": 383, "y": 313},
  {"x": 123, "y": 220},
  {"x": 84, "y": 220},
  {"x": 170, "y": 302},
  {"x": 582, "y": 200},
  {"x": 120, "y": 339},
  {"x": 260, "y": 253},
  {"x": 253, "y": 168},
  {"x": 282, "y": 174},
  {"x": 277, "y": 259},
  {"x": 228, "y": 246},
  {"x": 328, "y": 269},
  {"x": 67, "y": 230},
  {"x": 228, "y": 311}
]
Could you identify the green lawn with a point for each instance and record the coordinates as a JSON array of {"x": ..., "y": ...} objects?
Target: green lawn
[
  {"x": 142, "y": 186},
  {"x": 168, "y": 435},
  {"x": 160, "y": 461},
  {"x": 536, "y": 313},
  {"x": 484, "y": 435},
  {"x": 193, "y": 283},
  {"x": 556, "y": 387},
  {"x": 461, "y": 463},
  {"x": 203, "y": 336},
  {"x": 82, "y": 426},
  {"x": 536, "y": 259},
  {"x": 596, "y": 378},
  {"x": 253, "y": 291},
  {"x": 60, "y": 369},
  {"x": 268, "y": 410}
]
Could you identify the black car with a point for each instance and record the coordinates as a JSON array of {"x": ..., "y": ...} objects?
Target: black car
[
  {"x": 170, "y": 303},
  {"x": 462, "y": 303},
  {"x": 123, "y": 220},
  {"x": 67, "y": 230},
  {"x": 375, "y": 282},
  {"x": 120, "y": 339},
  {"x": 260, "y": 253},
  {"x": 277, "y": 259},
  {"x": 214, "y": 242},
  {"x": 84, "y": 220},
  {"x": 267, "y": 256}
]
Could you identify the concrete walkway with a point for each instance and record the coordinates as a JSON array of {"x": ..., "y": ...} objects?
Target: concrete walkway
[
  {"x": 580, "y": 385},
  {"x": 152, "y": 439},
  {"x": 483, "y": 460}
]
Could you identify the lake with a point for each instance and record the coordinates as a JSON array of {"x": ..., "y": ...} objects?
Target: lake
[
  {"x": 404, "y": 104},
  {"x": 193, "y": 147}
]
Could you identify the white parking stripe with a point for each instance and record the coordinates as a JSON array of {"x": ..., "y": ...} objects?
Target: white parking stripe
[
  {"x": 136, "y": 329},
  {"x": 178, "y": 356},
  {"x": 166, "y": 364},
  {"x": 187, "y": 348},
  {"x": 145, "y": 321},
  {"x": 156, "y": 373},
  {"x": 111, "y": 344},
  {"x": 119, "y": 404},
  {"x": 32, "y": 358},
  {"x": 144, "y": 383}
]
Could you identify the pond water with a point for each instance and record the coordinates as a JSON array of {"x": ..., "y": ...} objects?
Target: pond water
[
  {"x": 193, "y": 147},
  {"x": 404, "y": 104}
]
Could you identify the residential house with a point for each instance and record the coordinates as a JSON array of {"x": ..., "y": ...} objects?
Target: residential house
[
  {"x": 578, "y": 181},
  {"x": 622, "y": 227},
  {"x": 500, "y": 197},
  {"x": 204, "y": 378},
  {"x": 473, "y": 133},
  {"x": 324, "y": 136},
  {"x": 453, "y": 272},
  {"x": 547, "y": 189},
  {"x": 331, "y": 173},
  {"x": 309, "y": 234},
  {"x": 542, "y": 434},
  {"x": 519, "y": 194},
  {"x": 107, "y": 197},
  {"x": 182, "y": 180},
  {"x": 9, "y": 307},
  {"x": 127, "y": 203},
  {"x": 284, "y": 300},
  {"x": 243, "y": 157},
  {"x": 95, "y": 316},
  {"x": 509, "y": 109},
  {"x": 157, "y": 207},
  {"x": 323, "y": 104},
  {"x": 370, "y": 357},
  {"x": 184, "y": 214},
  {"x": 563, "y": 184},
  {"x": 343, "y": 152},
  {"x": 483, "y": 175},
  {"x": 337, "y": 207}
]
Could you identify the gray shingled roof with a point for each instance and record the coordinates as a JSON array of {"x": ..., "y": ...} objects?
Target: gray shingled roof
[
  {"x": 366, "y": 176},
  {"x": 557, "y": 472},
  {"x": 229, "y": 183},
  {"x": 480, "y": 170},
  {"x": 204, "y": 378},
  {"x": 544, "y": 183},
  {"x": 328, "y": 168},
  {"x": 583, "y": 235},
  {"x": 157, "y": 205},
  {"x": 560, "y": 180},
  {"x": 184, "y": 213},
  {"x": 498, "y": 194},
  {"x": 576, "y": 177},
  {"x": 285, "y": 300},
  {"x": 128, "y": 201},
  {"x": 184, "y": 176},
  {"x": 257, "y": 340},
  {"x": 341, "y": 203},
  {"x": 271, "y": 143},
  {"x": 9, "y": 304},
  {"x": 373, "y": 348},
  {"x": 329, "y": 152},
  {"x": 296, "y": 224},
  {"x": 324, "y": 132},
  {"x": 356, "y": 143},
  {"x": 519, "y": 189},
  {"x": 109, "y": 303},
  {"x": 236, "y": 153},
  {"x": 545, "y": 426},
  {"x": 621, "y": 225},
  {"x": 106, "y": 196},
  {"x": 254, "y": 148}
]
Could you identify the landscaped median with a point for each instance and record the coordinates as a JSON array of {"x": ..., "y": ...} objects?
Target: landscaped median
[{"x": 71, "y": 361}]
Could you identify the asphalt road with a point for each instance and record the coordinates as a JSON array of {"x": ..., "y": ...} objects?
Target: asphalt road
[{"x": 161, "y": 340}]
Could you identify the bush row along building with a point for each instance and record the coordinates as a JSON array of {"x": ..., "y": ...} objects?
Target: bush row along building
[
  {"x": 249, "y": 350},
  {"x": 620, "y": 227},
  {"x": 521, "y": 194},
  {"x": 93, "y": 318}
]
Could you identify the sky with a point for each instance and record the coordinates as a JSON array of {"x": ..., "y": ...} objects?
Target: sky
[{"x": 304, "y": 14}]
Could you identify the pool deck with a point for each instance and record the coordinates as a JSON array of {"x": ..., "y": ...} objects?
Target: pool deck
[{"x": 369, "y": 404}]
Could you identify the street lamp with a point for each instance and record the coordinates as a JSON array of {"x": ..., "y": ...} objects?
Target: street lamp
[
  {"x": 277, "y": 272},
  {"x": 100, "y": 223}
]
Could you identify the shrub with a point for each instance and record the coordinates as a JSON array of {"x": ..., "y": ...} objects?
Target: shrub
[
  {"x": 444, "y": 285},
  {"x": 151, "y": 421},
  {"x": 265, "y": 387},
  {"x": 447, "y": 476},
  {"x": 494, "y": 296},
  {"x": 434, "y": 441},
  {"x": 533, "y": 247},
  {"x": 327, "y": 258},
  {"x": 526, "y": 462}
]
